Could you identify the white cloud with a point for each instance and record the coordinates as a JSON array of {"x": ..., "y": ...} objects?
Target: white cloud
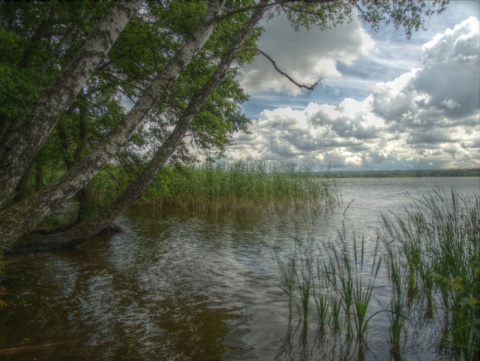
[
  {"x": 426, "y": 117},
  {"x": 451, "y": 69},
  {"x": 306, "y": 55},
  {"x": 444, "y": 92}
]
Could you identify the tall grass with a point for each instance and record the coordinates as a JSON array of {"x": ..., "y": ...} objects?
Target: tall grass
[
  {"x": 288, "y": 274},
  {"x": 353, "y": 281},
  {"x": 238, "y": 186},
  {"x": 430, "y": 254},
  {"x": 305, "y": 286},
  {"x": 342, "y": 283},
  {"x": 438, "y": 244},
  {"x": 396, "y": 308}
]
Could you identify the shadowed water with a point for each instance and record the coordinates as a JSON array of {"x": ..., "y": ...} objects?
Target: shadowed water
[{"x": 194, "y": 287}]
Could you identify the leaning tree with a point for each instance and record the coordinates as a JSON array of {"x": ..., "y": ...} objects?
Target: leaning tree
[{"x": 174, "y": 60}]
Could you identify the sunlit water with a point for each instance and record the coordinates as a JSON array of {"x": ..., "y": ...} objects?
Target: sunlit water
[{"x": 195, "y": 287}]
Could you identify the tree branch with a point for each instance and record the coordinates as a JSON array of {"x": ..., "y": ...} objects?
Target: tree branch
[
  {"x": 301, "y": 86},
  {"x": 280, "y": 2},
  {"x": 285, "y": 6}
]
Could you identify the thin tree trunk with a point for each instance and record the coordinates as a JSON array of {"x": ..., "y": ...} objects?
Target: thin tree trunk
[
  {"x": 97, "y": 222},
  {"x": 3, "y": 123},
  {"x": 39, "y": 174},
  {"x": 65, "y": 145},
  {"x": 20, "y": 218},
  {"x": 21, "y": 191},
  {"x": 35, "y": 40},
  {"x": 84, "y": 195},
  {"x": 19, "y": 147}
]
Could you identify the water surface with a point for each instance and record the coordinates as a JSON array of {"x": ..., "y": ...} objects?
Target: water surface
[{"x": 193, "y": 287}]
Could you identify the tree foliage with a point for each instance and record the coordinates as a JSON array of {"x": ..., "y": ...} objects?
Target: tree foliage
[{"x": 163, "y": 70}]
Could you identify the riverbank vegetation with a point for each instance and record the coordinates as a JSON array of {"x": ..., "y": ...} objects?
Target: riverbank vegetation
[
  {"x": 238, "y": 186},
  {"x": 69, "y": 69},
  {"x": 204, "y": 188},
  {"x": 429, "y": 257}
]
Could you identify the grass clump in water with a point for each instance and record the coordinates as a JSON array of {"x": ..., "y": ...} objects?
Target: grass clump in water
[
  {"x": 352, "y": 281},
  {"x": 431, "y": 257},
  {"x": 238, "y": 186},
  {"x": 342, "y": 292},
  {"x": 442, "y": 234}
]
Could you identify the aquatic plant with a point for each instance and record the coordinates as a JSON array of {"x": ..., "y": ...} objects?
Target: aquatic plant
[
  {"x": 442, "y": 232},
  {"x": 342, "y": 293},
  {"x": 321, "y": 300},
  {"x": 362, "y": 294},
  {"x": 336, "y": 306},
  {"x": 239, "y": 186},
  {"x": 347, "y": 269},
  {"x": 287, "y": 278},
  {"x": 431, "y": 256},
  {"x": 305, "y": 284},
  {"x": 395, "y": 310}
]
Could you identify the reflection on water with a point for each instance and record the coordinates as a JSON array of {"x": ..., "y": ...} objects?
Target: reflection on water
[{"x": 183, "y": 287}]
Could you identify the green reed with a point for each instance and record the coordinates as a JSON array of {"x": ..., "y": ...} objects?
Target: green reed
[
  {"x": 305, "y": 284},
  {"x": 321, "y": 300},
  {"x": 439, "y": 248},
  {"x": 342, "y": 292},
  {"x": 288, "y": 273},
  {"x": 341, "y": 265},
  {"x": 431, "y": 257},
  {"x": 322, "y": 306},
  {"x": 396, "y": 310},
  {"x": 238, "y": 186},
  {"x": 363, "y": 290},
  {"x": 336, "y": 307},
  {"x": 347, "y": 269}
]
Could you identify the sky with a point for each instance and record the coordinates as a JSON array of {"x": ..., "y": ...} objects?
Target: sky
[{"x": 386, "y": 102}]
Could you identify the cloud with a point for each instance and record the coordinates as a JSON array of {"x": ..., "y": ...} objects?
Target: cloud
[
  {"x": 444, "y": 93},
  {"x": 450, "y": 72},
  {"x": 426, "y": 117},
  {"x": 306, "y": 55}
]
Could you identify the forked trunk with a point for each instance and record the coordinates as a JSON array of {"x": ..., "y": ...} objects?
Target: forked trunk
[
  {"x": 19, "y": 146},
  {"x": 99, "y": 221},
  {"x": 20, "y": 218}
]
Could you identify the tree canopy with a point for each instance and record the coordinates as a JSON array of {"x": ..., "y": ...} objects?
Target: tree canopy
[{"x": 133, "y": 83}]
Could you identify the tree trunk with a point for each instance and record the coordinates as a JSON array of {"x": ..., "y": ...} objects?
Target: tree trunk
[
  {"x": 19, "y": 147},
  {"x": 84, "y": 195},
  {"x": 39, "y": 174},
  {"x": 21, "y": 191},
  {"x": 20, "y": 218},
  {"x": 97, "y": 222}
]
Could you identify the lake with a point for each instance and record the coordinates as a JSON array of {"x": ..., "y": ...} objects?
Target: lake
[{"x": 197, "y": 287}]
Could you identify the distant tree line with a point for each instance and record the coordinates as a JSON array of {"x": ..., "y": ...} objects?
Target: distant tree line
[{"x": 475, "y": 172}]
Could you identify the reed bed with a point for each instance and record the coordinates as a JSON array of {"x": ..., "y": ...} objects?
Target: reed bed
[
  {"x": 430, "y": 256},
  {"x": 434, "y": 257},
  {"x": 239, "y": 186},
  {"x": 336, "y": 277}
]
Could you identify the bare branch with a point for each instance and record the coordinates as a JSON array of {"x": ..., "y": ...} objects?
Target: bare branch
[
  {"x": 288, "y": 7},
  {"x": 280, "y": 2},
  {"x": 301, "y": 86}
]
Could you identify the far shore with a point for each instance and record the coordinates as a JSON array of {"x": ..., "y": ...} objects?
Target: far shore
[{"x": 404, "y": 173}]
